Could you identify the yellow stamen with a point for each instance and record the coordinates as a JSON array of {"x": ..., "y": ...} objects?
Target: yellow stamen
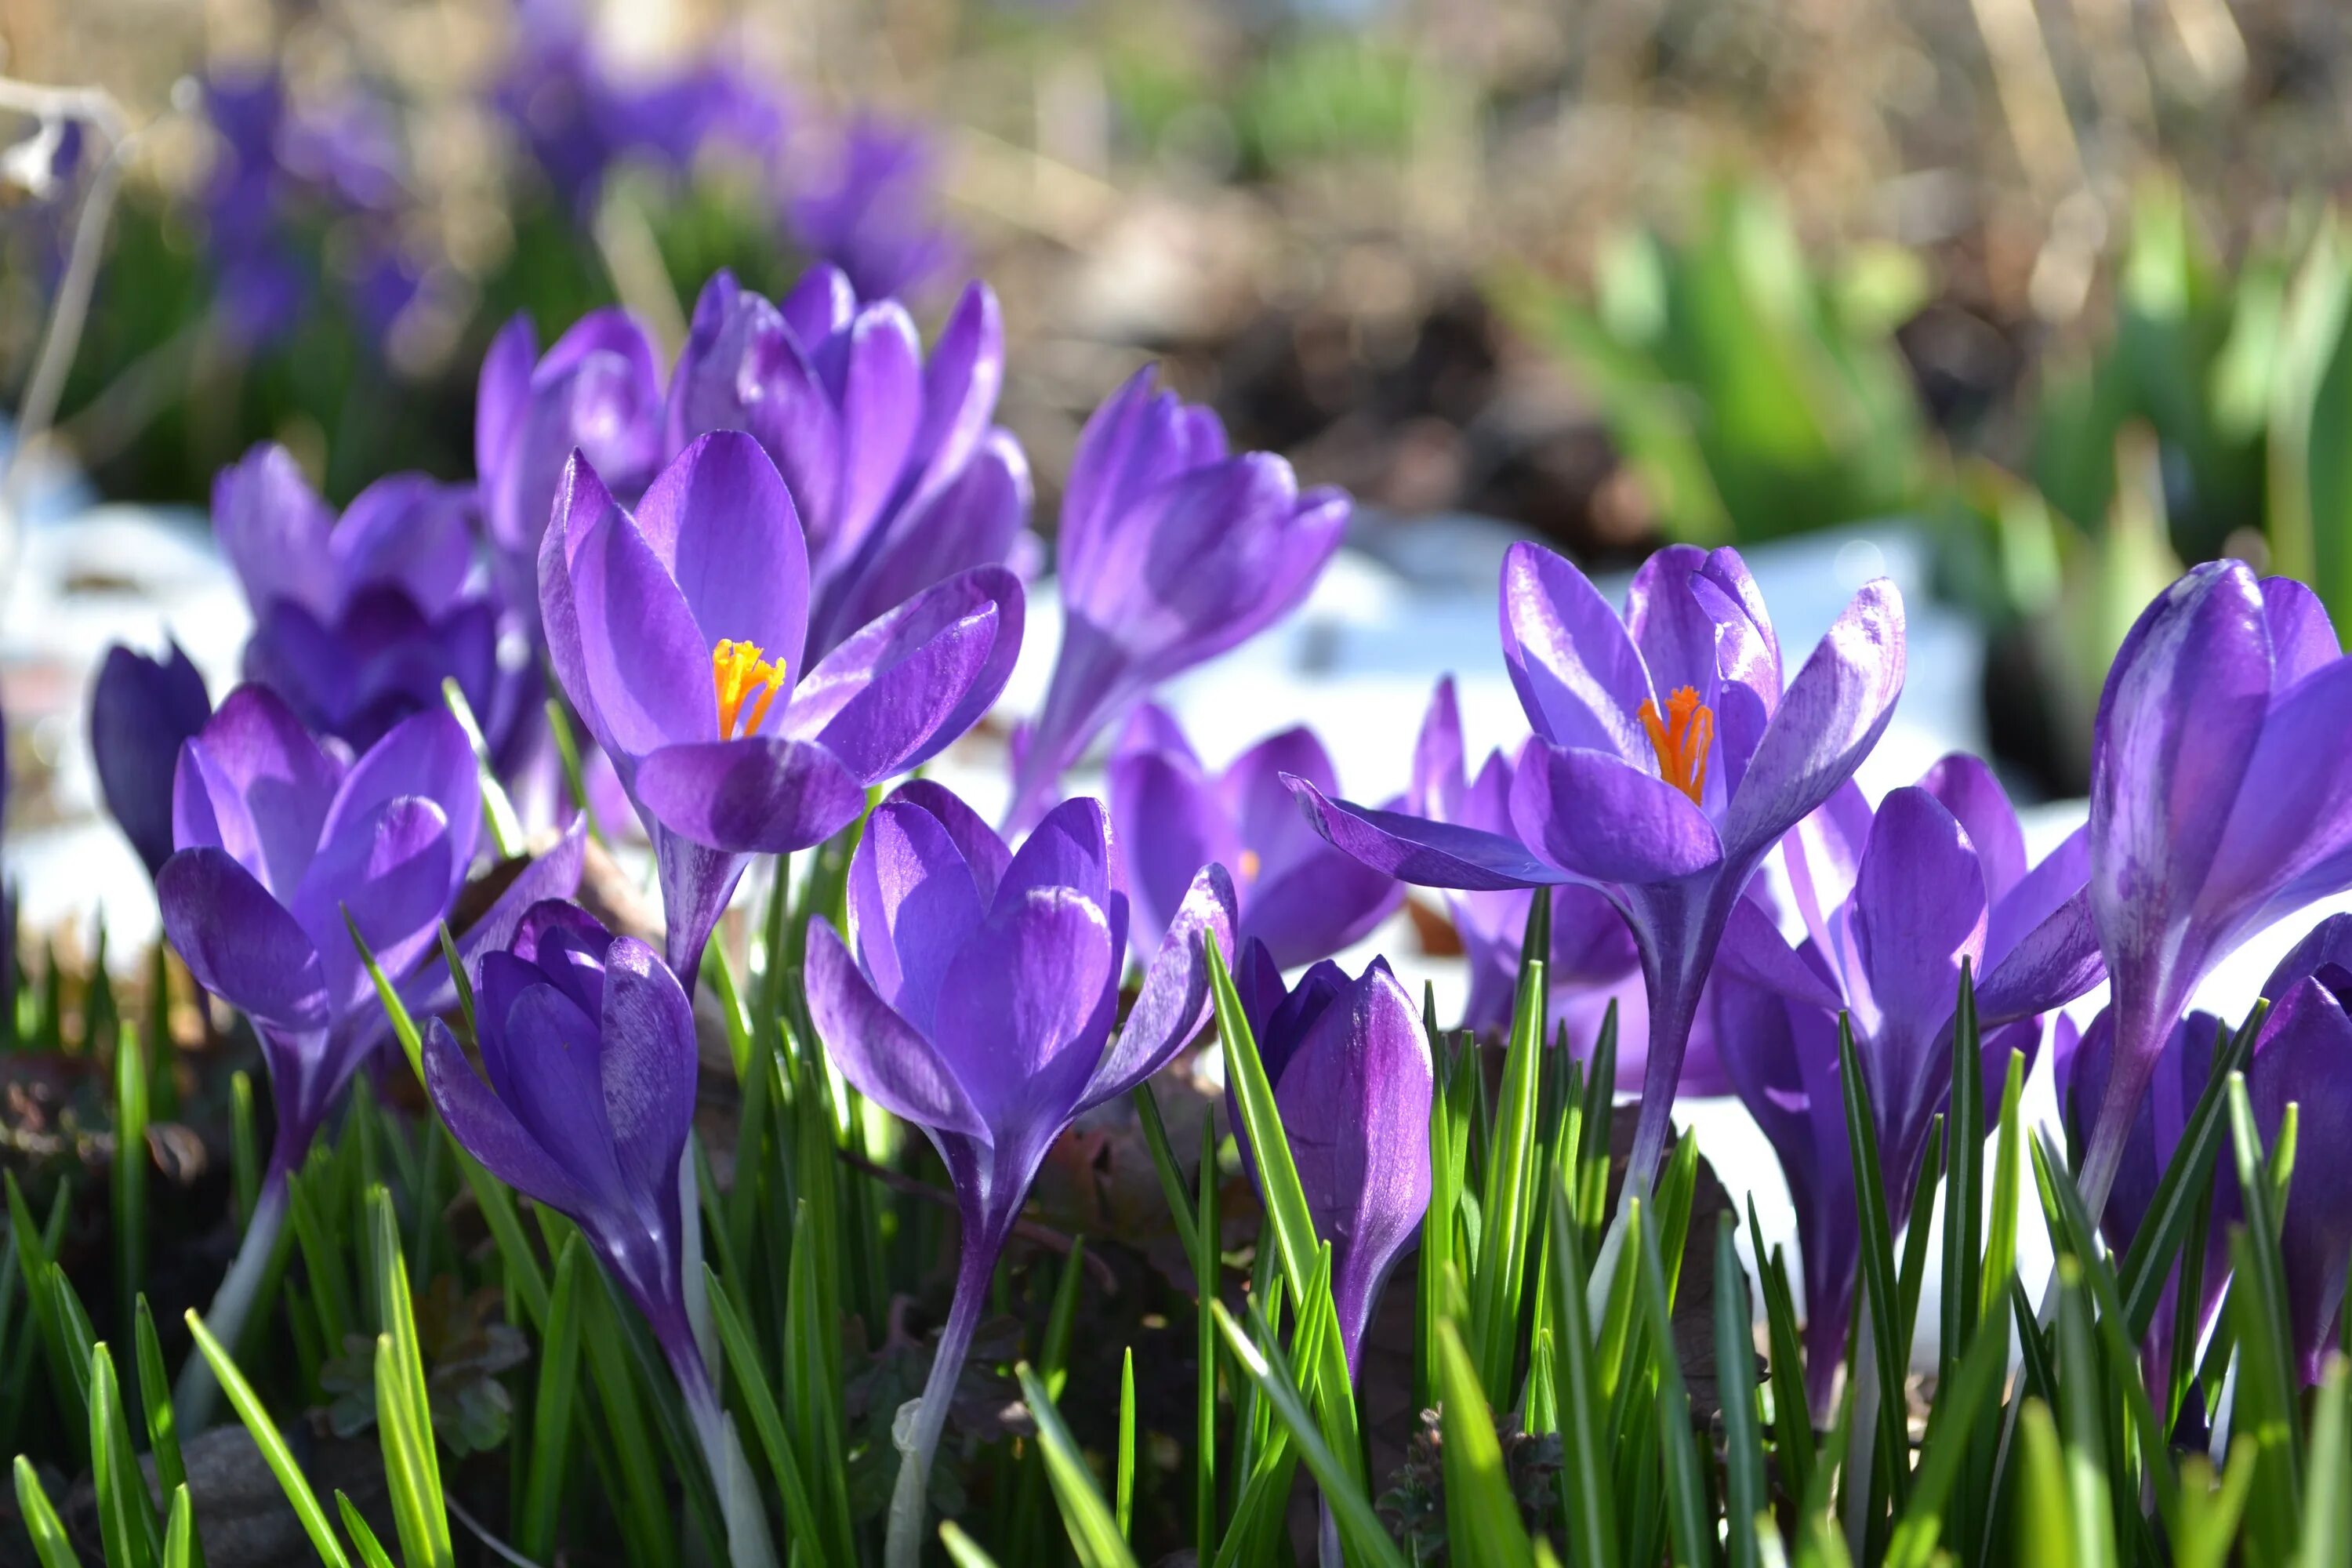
[
  {"x": 1682, "y": 740},
  {"x": 738, "y": 674},
  {"x": 1250, "y": 864}
]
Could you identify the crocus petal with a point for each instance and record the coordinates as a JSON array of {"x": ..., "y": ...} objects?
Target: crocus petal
[
  {"x": 1173, "y": 1004},
  {"x": 1824, "y": 855},
  {"x": 1573, "y": 663},
  {"x": 1321, "y": 903},
  {"x": 2305, "y": 1049},
  {"x": 542, "y": 880},
  {"x": 391, "y": 876},
  {"x": 2047, "y": 966},
  {"x": 2325, "y": 945},
  {"x": 1168, "y": 825},
  {"x": 2303, "y": 639},
  {"x": 255, "y": 784},
  {"x": 1438, "y": 757},
  {"x": 1756, "y": 952},
  {"x": 1070, "y": 849},
  {"x": 903, "y": 689},
  {"x": 489, "y": 1130},
  {"x": 960, "y": 388},
  {"x": 274, "y": 529},
  {"x": 1022, "y": 1013},
  {"x": 1600, "y": 817},
  {"x": 2292, "y": 831},
  {"x": 1669, "y": 625},
  {"x": 142, "y": 710},
  {"x": 1261, "y": 805},
  {"x": 1832, "y": 715},
  {"x": 1971, "y": 794},
  {"x": 1919, "y": 908},
  {"x": 721, "y": 523},
  {"x": 553, "y": 1085},
  {"x": 426, "y": 756},
  {"x": 1424, "y": 853},
  {"x": 501, "y": 390},
  {"x": 646, "y": 1063},
  {"x": 982, "y": 850},
  {"x": 881, "y": 406},
  {"x": 760, "y": 794},
  {"x": 884, "y": 1058},
  {"x": 912, "y": 903},
  {"x": 239, "y": 942}
]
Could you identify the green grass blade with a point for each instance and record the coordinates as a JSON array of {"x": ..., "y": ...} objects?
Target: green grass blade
[
  {"x": 1744, "y": 1494},
  {"x": 1878, "y": 1281},
  {"x": 1207, "y": 1267},
  {"x": 48, "y": 1534},
  {"x": 1964, "y": 1248},
  {"x": 1911, "y": 1276},
  {"x": 1690, "y": 1525},
  {"x": 1163, "y": 1163},
  {"x": 962, "y": 1549},
  {"x": 1960, "y": 1400},
  {"x": 181, "y": 1548},
  {"x": 801, "y": 1516},
  {"x": 1123, "y": 1494},
  {"x": 371, "y": 1550},
  {"x": 126, "y": 1515},
  {"x": 1482, "y": 1516},
  {"x": 552, "y": 1404},
  {"x": 403, "y": 1028},
  {"x": 2327, "y": 1502},
  {"x": 274, "y": 1452},
  {"x": 2258, "y": 1299},
  {"x": 2186, "y": 1177},
  {"x": 1793, "y": 1440},
  {"x": 244, "y": 1146},
  {"x": 1506, "y": 1206},
  {"x": 1094, "y": 1531},
  {"x": 155, "y": 1400},
  {"x": 2082, "y": 1424},
  {"x": 131, "y": 1169},
  {"x": 404, "y": 1407},
  {"x": 2046, "y": 1534}
]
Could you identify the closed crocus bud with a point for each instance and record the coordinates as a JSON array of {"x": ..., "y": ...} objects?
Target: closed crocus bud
[
  {"x": 1299, "y": 896},
  {"x": 1171, "y": 551},
  {"x": 140, "y": 712},
  {"x": 1667, "y": 762},
  {"x": 974, "y": 996},
  {"x": 677, "y": 633},
  {"x": 1349, "y": 1061},
  {"x": 358, "y": 619},
  {"x": 2221, "y": 800},
  {"x": 900, "y": 478}
]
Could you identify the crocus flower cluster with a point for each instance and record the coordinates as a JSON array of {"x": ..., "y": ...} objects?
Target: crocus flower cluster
[
  {"x": 974, "y": 996},
  {"x": 1171, "y": 551},
  {"x": 1300, "y": 897},
  {"x": 2221, "y": 800},
  {"x": 358, "y": 620},
  {"x": 1667, "y": 762}
]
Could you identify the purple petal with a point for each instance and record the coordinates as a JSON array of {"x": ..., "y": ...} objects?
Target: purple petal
[
  {"x": 1600, "y": 817},
  {"x": 426, "y": 756},
  {"x": 881, "y": 406},
  {"x": 1574, "y": 665},
  {"x": 644, "y": 662},
  {"x": 1830, "y": 717},
  {"x": 2293, "y": 829},
  {"x": 552, "y": 1082},
  {"x": 274, "y": 530},
  {"x": 544, "y": 881},
  {"x": 2303, "y": 639},
  {"x": 1919, "y": 912},
  {"x": 760, "y": 795},
  {"x": 141, "y": 712},
  {"x": 239, "y": 942},
  {"x": 2304, "y": 1050},
  {"x": 480, "y": 1122},
  {"x": 1168, "y": 823},
  {"x": 502, "y": 390},
  {"x": 1755, "y": 952},
  {"x": 905, "y": 687},
  {"x": 2326, "y": 944},
  {"x": 2049, "y": 964},
  {"x": 982, "y": 850},
  {"x": 1173, "y": 1004},
  {"x": 1070, "y": 849},
  {"x": 255, "y": 784},
  {"x": 912, "y": 905},
  {"x": 393, "y": 875},
  {"x": 1424, "y": 853},
  {"x": 409, "y": 532},
  {"x": 1438, "y": 758},
  {"x": 1026, "y": 1008},
  {"x": 972, "y": 520},
  {"x": 1321, "y": 904},
  {"x": 883, "y": 1059},
  {"x": 960, "y": 389},
  {"x": 722, "y": 525},
  {"x": 581, "y": 505},
  {"x": 1969, "y": 792},
  {"x": 645, "y": 1062},
  {"x": 1670, "y": 625},
  {"x": 1825, "y": 856},
  {"x": 824, "y": 301}
]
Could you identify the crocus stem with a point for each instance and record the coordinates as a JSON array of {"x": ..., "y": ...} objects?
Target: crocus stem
[
  {"x": 191, "y": 1399},
  {"x": 916, "y": 1446},
  {"x": 746, "y": 1518}
]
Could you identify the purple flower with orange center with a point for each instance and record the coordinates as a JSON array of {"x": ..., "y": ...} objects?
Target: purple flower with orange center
[
  {"x": 677, "y": 630},
  {"x": 1665, "y": 808}
]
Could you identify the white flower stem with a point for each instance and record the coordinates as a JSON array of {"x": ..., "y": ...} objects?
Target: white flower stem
[{"x": 191, "y": 1399}]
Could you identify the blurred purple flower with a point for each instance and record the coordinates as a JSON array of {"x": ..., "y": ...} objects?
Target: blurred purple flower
[
  {"x": 140, "y": 710},
  {"x": 1300, "y": 897},
  {"x": 1349, "y": 1065},
  {"x": 2220, "y": 800},
  {"x": 358, "y": 620},
  {"x": 1667, "y": 762},
  {"x": 1170, "y": 552},
  {"x": 1894, "y": 903},
  {"x": 1594, "y": 961},
  {"x": 597, "y": 391},
  {"x": 900, "y": 477},
  {"x": 676, "y": 633},
  {"x": 975, "y": 997},
  {"x": 874, "y": 211}
]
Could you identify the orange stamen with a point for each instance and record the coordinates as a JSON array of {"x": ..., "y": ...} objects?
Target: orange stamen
[
  {"x": 738, "y": 673},
  {"x": 1682, "y": 740},
  {"x": 1250, "y": 864}
]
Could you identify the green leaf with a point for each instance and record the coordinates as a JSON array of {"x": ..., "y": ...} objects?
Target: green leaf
[
  {"x": 274, "y": 1452},
  {"x": 1207, "y": 1275},
  {"x": 801, "y": 1515},
  {"x": 1744, "y": 1493},
  {"x": 2046, "y": 1534},
  {"x": 2258, "y": 1306},
  {"x": 131, "y": 1169},
  {"x": 499, "y": 817},
  {"x": 1689, "y": 1522},
  {"x": 155, "y": 1399},
  {"x": 371, "y": 1550},
  {"x": 643, "y": 1506},
  {"x": 2327, "y": 1502},
  {"x": 244, "y": 1146},
  {"x": 1482, "y": 1516},
  {"x": 2090, "y": 1484},
  {"x": 1094, "y": 1531},
  {"x": 567, "y": 749},
  {"x": 2186, "y": 1179},
  {"x": 1123, "y": 1495},
  {"x": 403, "y": 1028},
  {"x": 962, "y": 1549},
  {"x": 49, "y": 1541},
  {"x": 1976, "y": 1378},
  {"x": 126, "y": 1515},
  {"x": 1878, "y": 1279},
  {"x": 551, "y": 1409},
  {"x": 1163, "y": 1162},
  {"x": 1959, "y": 1285},
  {"x": 403, "y": 1408},
  {"x": 181, "y": 1548},
  {"x": 1793, "y": 1441},
  {"x": 1506, "y": 1206}
]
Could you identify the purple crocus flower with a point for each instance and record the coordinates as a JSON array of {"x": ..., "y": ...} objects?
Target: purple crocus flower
[
  {"x": 357, "y": 621},
  {"x": 900, "y": 477},
  {"x": 974, "y": 997},
  {"x": 1595, "y": 964},
  {"x": 1301, "y": 898},
  {"x": 2220, "y": 800},
  {"x": 676, "y": 633},
  {"x": 597, "y": 391},
  {"x": 1170, "y": 552},
  {"x": 1893, "y": 901},
  {"x": 140, "y": 710},
  {"x": 874, "y": 213},
  {"x": 1667, "y": 762},
  {"x": 1349, "y": 1065}
]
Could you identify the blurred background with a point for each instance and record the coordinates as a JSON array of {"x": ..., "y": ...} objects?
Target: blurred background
[{"x": 2045, "y": 296}]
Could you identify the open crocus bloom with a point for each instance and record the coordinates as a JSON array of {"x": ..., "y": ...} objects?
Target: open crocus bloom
[
  {"x": 1594, "y": 963},
  {"x": 142, "y": 710},
  {"x": 1894, "y": 903},
  {"x": 1667, "y": 762},
  {"x": 358, "y": 620},
  {"x": 1350, "y": 1064},
  {"x": 1300, "y": 897},
  {"x": 598, "y": 391},
  {"x": 2220, "y": 800},
  {"x": 1170, "y": 552},
  {"x": 900, "y": 478},
  {"x": 677, "y": 633},
  {"x": 974, "y": 997}
]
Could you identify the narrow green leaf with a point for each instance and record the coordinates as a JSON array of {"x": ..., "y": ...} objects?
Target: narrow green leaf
[
  {"x": 1744, "y": 1494},
  {"x": 274, "y": 1452},
  {"x": 2327, "y": 1502},
  {"x": 1507, "y": 1205},
  {"x": 1163, "y": 1162},
  {"x": 2258, "y": 1298},
  {"x": 2047, "y": 1533},
  {"x": 1877, "y": 1262},
  {"x": 962, "y": 1549},
  {"x": 155, "y": 1399},
  {"x": 567, "y": 749},
  {"x": 131, "y": 1169},
  {"x": 371, "y": 1550},
  {"x": 403, "y": 1408},
  {"x": 403, "y": 1028},
  {"x": 551, "y": 1409},
  {"x": 2090, "y": 1483},
  {"x": 1482, "y": 1516},
  {"x": 181, "y": 1548},
  {"x": 1976, "y": 1378},
  {"x": 1959, "y": 1285},
  {"x": 49, "y": 1541},
  {"x": 1094, "y": 1532},
  {"x": 245, "y": 1147},
  {"x": 1793, "y": 1441},
  {"x": 1689, "y": 1523},
  {"x": 1123, "y": 1495},
  {"x": 1207, "y": 1277},
  {"x": 2185, "y": 1178},
  {"x": 126, "y": 1515},
  {"x": 801, "y": 1515}
]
